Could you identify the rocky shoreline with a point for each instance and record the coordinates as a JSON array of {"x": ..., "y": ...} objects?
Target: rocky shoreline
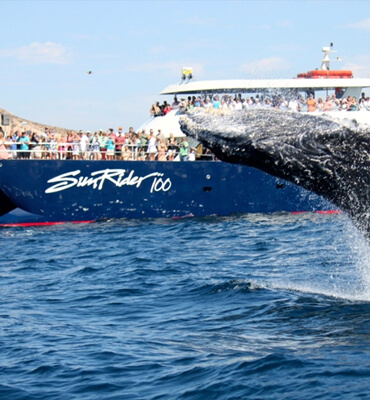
[{"x": 21, "y": 124}]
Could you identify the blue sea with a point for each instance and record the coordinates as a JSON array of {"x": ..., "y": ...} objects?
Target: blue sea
[{"x": 244, "y": 307}]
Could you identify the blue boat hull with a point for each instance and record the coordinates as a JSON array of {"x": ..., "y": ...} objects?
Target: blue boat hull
[{"x": 80, "y": 191}]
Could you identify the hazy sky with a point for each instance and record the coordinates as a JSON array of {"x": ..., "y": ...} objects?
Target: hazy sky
[{"x": 136, "y": 48}]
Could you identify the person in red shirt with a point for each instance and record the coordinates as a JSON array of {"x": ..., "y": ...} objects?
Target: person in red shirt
[
  {"x": 167, "y": 109},
  {"x": 120, "y": 141}
]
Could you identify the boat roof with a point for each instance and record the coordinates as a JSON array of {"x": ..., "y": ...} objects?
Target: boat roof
[{"x": 258, "y": 85}]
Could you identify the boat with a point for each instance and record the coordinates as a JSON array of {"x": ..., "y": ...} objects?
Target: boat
[{"x": 54, "y": 191}]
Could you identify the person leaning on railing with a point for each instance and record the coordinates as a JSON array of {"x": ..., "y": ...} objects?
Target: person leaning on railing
[
  {"x": 162, "y": 149},
  {"x": 4, "y": 153},
  {"x": 141, "y": 154},
  {"x": 126, "y": 153}
]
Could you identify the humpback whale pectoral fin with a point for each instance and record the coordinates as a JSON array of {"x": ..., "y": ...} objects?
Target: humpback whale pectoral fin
[{"x": 319, "y": 154}]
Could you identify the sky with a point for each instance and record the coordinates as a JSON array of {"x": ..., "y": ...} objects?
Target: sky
[{"x": 135, "y": 49}]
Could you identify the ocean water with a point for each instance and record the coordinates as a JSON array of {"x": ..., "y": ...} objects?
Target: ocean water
[{"x": 245, "y": 307}]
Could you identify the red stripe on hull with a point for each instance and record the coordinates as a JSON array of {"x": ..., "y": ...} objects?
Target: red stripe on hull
[{"x": 25, "y": 224}]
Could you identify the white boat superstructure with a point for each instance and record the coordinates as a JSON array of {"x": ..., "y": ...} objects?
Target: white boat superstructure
[
  {"x": 321, "y": 82},
  {"x": 352, "y": 86}
]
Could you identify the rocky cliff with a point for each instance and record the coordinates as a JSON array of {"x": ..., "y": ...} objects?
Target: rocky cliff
[{"x": 20, "y": 124}]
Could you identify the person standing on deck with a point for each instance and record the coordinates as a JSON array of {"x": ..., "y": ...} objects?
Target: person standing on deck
[
  {"x": 83, "y": 145},
  {"x": 24, "y": 147},
  {"x": 120, "y": 141},
  {"x": 311, "y": 104},
  {"x": 3, "y": 149},
  {"x": 152, "y": 146},
  {"x": 103, "y": 145},
  {"x": 110, "y": 147},
  {"x": 184, "y": 149}
]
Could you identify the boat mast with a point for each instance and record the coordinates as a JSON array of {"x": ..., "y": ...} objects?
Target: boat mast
[{"x": 325, "y": 62}]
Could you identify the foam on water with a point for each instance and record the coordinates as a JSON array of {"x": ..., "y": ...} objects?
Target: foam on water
[{"x": 341, "y": 267}]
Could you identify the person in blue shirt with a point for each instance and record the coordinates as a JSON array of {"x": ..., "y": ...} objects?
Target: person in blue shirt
[
  {"x": 216, "y": 102},
  {"x": 24, "y": 147},
  {"x": 110, "y": 147},
  {"x": 14, "y": 146}
]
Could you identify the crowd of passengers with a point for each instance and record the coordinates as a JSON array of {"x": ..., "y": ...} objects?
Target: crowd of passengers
[
  {"x": 140, "y": 146},
  {"x": 109, "y": 145},
  {"x": 237, "y": 102}
]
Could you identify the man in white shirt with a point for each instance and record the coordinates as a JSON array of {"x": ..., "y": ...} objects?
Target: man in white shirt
[{"x": 84, "y": 145}]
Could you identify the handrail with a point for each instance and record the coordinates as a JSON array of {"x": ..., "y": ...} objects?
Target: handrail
[{"x": 43, "y": 151}]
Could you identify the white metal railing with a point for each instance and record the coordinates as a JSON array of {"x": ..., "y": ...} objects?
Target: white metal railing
[{"x": 63, "y": 151}]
